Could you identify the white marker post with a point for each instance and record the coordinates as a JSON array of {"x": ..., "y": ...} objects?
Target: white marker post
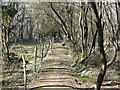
[{"x": 24, "y": 69}]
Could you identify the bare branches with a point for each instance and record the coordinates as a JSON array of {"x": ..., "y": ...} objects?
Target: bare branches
[{"x": 64, "y": 24}]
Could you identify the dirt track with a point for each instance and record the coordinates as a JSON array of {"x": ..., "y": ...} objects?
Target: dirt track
[{"x": 56, "y": 69}]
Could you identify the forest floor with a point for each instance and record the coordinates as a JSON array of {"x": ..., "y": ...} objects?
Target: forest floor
[{"x": 57, "y": 73}]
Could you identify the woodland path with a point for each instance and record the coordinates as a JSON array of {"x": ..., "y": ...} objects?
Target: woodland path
[{"x": 56, "y": 70}]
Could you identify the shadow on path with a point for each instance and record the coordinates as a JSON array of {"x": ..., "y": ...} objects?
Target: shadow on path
[
  {"x": 59, "y": 87},
  {"x": 65, "y": 87}
]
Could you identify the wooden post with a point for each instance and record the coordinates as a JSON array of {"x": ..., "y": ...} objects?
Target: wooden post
[
  {"x": 24, "y": 68},
  {"x": 35, "y": 57}
]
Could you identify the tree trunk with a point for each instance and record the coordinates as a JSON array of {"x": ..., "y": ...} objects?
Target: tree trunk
[
  {"x": 118, "y": 21},
  {"x": 5, "y": 39},
  {"x": 101, "y": 47},
  {"x": 30, "y": 36}
]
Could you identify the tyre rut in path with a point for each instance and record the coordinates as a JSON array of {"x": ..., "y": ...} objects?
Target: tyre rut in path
[{"x": 56, "y": 69}]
